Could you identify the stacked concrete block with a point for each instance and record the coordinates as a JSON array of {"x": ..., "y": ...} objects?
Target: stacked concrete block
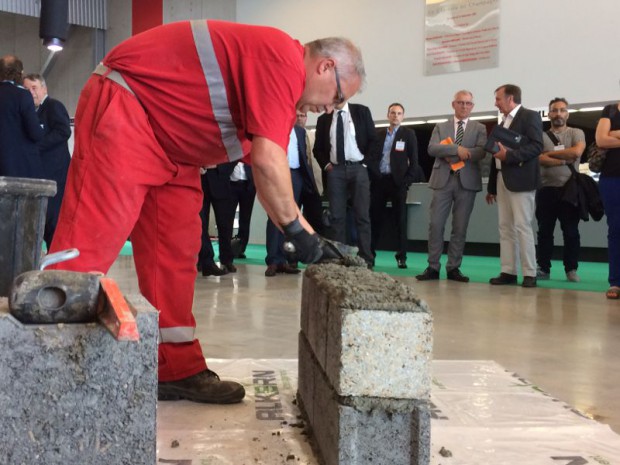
[
  {"x": 71, "y": 394},
  {"x": 365, "y": 351}
]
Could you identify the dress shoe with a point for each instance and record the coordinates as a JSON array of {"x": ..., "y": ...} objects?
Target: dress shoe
[
  {"x": 428, "y": 275},
  {"x": 572, "y": 276},
  {"x": 402, "y": 264},
  {"x": 237, "y": 247},
  {"x": 205, "y": 386},
  {"x": 456, "y": 275},
  {"x": 241, "y": 255},
  {"x": 287, "y": 269},
  {"x": 529, "y": 281},
  {"x": 213, "y": 270},
  {"x": 229, "y": 267},
  {"x": 503, "y": 278}
]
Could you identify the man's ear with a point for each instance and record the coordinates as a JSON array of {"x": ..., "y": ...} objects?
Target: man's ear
[{"x": 326, "y": 64}]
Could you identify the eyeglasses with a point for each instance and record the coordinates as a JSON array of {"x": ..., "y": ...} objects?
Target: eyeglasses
[
  {"x": 340, "y": 98},
  {"x": 461, "y": 102}
]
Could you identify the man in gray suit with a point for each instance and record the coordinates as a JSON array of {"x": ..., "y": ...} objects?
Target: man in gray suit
[{"x": 458, "y": 148}]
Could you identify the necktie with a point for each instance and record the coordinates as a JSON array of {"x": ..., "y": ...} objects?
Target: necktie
[
  {"x": 459, "y": 133},
  {"x": 340, "y": 139}
]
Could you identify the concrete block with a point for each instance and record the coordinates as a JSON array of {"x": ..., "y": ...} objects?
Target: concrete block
[
  {"x": 358, "y": 430},
  {"x": 305, "y": 377},
  {"x": 371, "y": 334},
  {"x": 71, "y": 394},
  {"x": 314, "y": 316}
]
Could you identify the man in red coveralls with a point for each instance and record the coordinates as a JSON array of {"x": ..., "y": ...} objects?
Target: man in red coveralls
[{"x": 161, "y": 105}]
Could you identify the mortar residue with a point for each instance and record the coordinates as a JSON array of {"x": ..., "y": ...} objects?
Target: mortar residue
[{"x": 359, "y": 288}]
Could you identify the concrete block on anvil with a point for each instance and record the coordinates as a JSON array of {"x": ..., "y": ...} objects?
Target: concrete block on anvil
[{"x": 72, "y": 394}]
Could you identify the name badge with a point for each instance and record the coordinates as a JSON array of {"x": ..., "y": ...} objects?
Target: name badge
[
  {"x": 400, "y": 146},
  {"x": 558, "y": 147}
]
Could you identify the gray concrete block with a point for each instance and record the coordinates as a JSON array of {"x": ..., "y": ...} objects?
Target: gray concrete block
[
  {"x": 305, "y": 376},
  {"x": 371, "y": 334},
  {"x": 359, "y": 430},
  {"x": 314, "y": 316},
  {"x": 72, "y": 394}
]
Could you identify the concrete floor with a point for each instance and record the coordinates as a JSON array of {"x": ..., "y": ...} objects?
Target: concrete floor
[{"x": 565, "y": 342}]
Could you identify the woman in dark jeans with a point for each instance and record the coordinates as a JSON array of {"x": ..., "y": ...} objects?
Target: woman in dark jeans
[{"x": 608, "y": 137}]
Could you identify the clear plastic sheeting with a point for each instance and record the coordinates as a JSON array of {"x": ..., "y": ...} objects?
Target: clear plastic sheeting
[
  {"x": 264, "y": 429},
  {"x": 482, "y": 414}
]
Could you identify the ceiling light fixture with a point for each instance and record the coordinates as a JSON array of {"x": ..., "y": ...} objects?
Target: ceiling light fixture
[{"x": 53, "y": 23}]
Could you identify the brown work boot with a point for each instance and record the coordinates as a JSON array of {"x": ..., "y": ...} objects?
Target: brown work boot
[{"x": 205, "y": 386}]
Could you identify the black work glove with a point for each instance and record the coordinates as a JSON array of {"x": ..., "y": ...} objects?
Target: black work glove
[
  {"x": 300, "y": 244},
  {"x": 312, "y": 248}
]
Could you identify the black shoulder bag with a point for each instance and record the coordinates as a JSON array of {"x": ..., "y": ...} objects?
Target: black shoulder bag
[{"x": 581, "y": 191}]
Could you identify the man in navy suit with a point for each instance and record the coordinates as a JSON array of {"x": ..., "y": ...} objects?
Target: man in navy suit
[
  {"x": 243, "y": 195},
  {"x": 217, "y": 192},
  {"x": 392, "y": 169},
  {"x": 310, "y": 202},
  {"x": 20, "y": 129},
  {"x": 514, "y": 178},
  {"x": 53, "y": 148},
  {"x": 300, "y": 172},
  {"x": 346, "y": 164}
]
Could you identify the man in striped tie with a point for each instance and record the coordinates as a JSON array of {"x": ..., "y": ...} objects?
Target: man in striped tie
[{"x": 458, "y": 147}]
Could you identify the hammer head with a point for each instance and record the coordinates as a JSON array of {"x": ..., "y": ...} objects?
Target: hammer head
[{"x": 55, "y": 296}]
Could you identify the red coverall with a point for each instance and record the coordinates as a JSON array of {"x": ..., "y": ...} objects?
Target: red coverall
[{"x": 193, "y": 94}]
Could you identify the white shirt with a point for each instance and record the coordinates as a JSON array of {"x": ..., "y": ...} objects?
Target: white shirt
[
  {"x": 507, "y": 122},
  {"x": 292, "y": 152},
  {"x": 351, "y": 151},
  {"x": 238, "y": 173}
]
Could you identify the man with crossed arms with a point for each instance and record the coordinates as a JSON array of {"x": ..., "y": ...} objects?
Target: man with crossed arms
[{"x": 458, "y": 147}]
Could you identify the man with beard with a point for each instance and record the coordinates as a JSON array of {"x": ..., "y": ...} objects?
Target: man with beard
[{"x": 562, "y": 146}]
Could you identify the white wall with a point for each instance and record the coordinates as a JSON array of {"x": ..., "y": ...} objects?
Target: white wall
[{"x": 547, "y": 47}]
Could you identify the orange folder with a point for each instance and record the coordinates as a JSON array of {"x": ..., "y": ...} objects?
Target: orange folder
[{"x": 453, "y": 166}]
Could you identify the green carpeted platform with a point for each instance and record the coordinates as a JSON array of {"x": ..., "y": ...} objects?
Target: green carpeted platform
[{"x": 479, "y": 269}]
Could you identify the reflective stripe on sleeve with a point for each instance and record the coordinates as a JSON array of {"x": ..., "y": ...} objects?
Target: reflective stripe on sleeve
[
  {"x": 177, "y": 334},
  {"x": 112, "y": 75},
  {"x": 217, "y": 89}
]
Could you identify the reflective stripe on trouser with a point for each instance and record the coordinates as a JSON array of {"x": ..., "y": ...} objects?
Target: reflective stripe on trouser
[
  {"x": 121, "y": 183},
  {"x": 177, "y": 334},
  {"x": 217, "y": 89}
]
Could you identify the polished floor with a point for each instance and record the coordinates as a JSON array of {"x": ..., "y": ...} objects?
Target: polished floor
[{"x": 566, "y": 342}]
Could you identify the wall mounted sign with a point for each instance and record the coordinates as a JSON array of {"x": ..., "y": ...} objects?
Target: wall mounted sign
[{"x": 461, "y": 35}]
